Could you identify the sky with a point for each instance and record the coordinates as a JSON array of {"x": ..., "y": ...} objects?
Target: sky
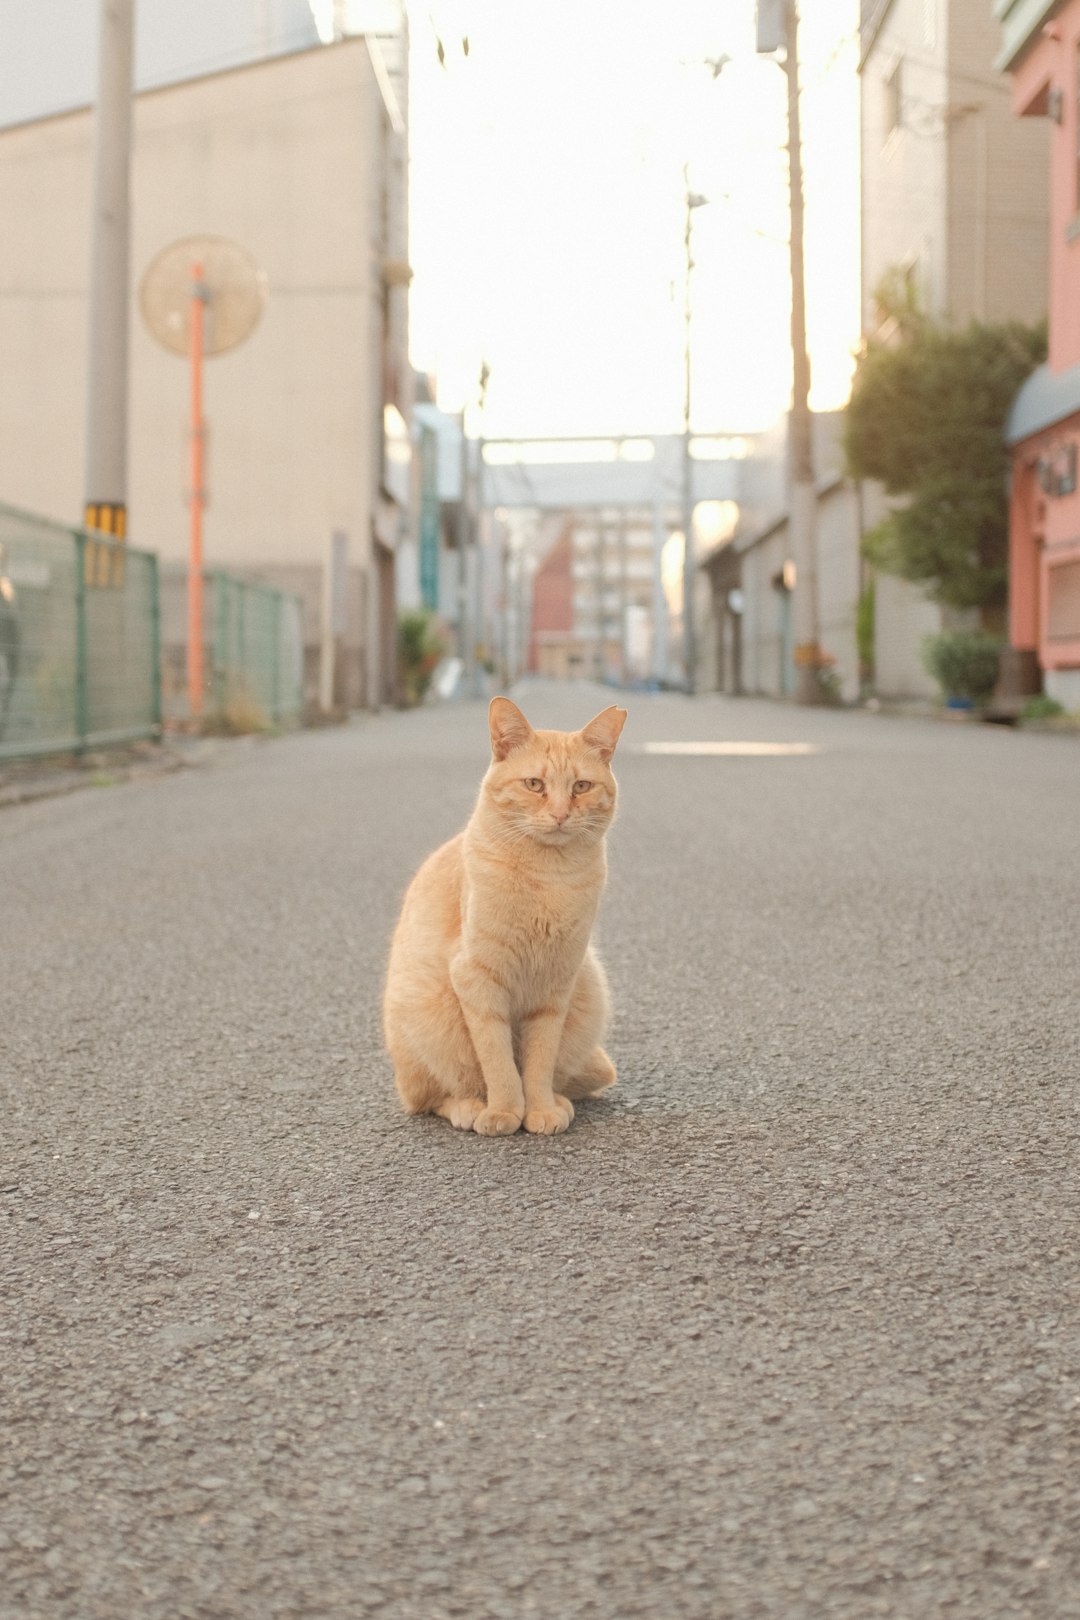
[
  {"x": 547, "y": 194},
  {"x": 548, "y": 211}
]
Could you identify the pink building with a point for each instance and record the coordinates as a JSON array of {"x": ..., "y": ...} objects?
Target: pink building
[{"x": 1041, "y": 50}]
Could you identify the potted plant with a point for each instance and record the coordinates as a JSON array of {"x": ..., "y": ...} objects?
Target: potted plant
[{"x": 965, "y": 665}]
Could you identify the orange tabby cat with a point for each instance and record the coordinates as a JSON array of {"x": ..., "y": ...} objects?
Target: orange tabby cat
[{"x": 495, "y": 1001}]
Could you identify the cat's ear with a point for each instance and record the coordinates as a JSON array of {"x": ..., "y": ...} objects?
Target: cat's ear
[
  {"x": 509, "y": 727},
  {"x": 602, "y": 733}
]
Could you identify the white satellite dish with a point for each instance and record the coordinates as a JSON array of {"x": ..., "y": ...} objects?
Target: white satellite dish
[{"x": 232, "y": 288}]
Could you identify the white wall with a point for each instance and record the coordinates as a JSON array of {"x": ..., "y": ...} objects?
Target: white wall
[
  {"x": 765, "y": 665},
  {"x": 1064, "y": 685},
  {"x": 763, "y": 658},
  {"x": 838, "y": 584}
]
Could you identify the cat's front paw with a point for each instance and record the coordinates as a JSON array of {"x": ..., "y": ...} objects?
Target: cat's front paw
[
  {"x": 497, "y": 1122},
  {"x": 550, "y": 1121}
]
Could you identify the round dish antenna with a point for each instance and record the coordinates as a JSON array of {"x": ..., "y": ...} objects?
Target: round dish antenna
[{"x": 219, "y": 273}]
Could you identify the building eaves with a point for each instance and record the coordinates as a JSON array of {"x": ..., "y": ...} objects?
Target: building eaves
[
  {"x": 1022, "y": 22},
  {"x": 1045, "y": 399},
  {"x": 164, "y": 86},
  {"x": 386, "y": 89},
  {"x": 828, "y": 485},
  {"x": 872, "y": 19}
]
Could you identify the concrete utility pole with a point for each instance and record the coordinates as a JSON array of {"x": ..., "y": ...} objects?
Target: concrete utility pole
[
  {"x": 464, "y": 629},
  {"x": 803, "y": 484},
  {"x": 624, "y": 600},
  {"x": 472, "y": 512},
  {"x": 660, "y": 607},
  {"x": 110, "y": 275},
  {"x": 693, "y": 200}
]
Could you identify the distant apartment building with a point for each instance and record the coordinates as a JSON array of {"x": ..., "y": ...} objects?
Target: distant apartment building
[
  {"x": 300, "y": 158},
  {"x": 954, "y": 205},
  {"x": 594, "y": 594},
  {"x": 1041, "y": 51}
]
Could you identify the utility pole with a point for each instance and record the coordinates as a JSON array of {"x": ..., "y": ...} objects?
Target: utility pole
[
  {"x": 105, "y": 489},
  {"x": 693, "y": 200},
  {"x": 480, "y": 537},
  {"x": 464, "y": 629},
  {"x": 477, "y": 532},
  {"x": 660, "y": 607},
  {"x": 624, "y": 600},
  {"x": 803, "y": 485}
]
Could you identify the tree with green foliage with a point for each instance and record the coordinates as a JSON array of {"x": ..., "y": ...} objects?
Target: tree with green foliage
[{"x": 926, "y": 419}]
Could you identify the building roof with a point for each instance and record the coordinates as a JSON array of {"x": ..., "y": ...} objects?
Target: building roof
[
  {"x": 1045, "y": 398},
  {"x": 49, "y": 61},
  {"x": 871, "y": 16}
]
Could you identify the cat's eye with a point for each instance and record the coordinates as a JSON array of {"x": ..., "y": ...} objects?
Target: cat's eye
[
  {"x": 582, "y": 787},
  {"x": 534, "y": 784}
]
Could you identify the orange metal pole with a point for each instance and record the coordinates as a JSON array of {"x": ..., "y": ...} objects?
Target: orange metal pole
[{"x": 195, "y": 560}]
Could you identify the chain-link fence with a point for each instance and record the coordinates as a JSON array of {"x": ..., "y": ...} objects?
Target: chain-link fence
[
  {"x": 79, "y": 650},
  {"x": 253, "y": 652}
]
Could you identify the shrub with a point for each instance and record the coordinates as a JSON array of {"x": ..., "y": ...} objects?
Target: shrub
[
  {"x": 420, "y": 647},
  {"x": 963, "y": 662},
  {"x": 1042, "y": 707}
]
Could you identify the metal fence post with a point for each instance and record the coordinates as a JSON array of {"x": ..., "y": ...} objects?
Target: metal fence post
[
  {"x": 81, "y": 695},
  {"x": 155, "y": 644},
  {"x": 219, "y": 652},
  {"x": 279, "y": 603}
]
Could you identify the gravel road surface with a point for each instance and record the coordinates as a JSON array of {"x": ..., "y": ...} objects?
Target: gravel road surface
[{"x": 787, "y": 1327}]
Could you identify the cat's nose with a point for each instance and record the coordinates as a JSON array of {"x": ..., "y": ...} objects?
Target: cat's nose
[{"x": 560, "y": 816}]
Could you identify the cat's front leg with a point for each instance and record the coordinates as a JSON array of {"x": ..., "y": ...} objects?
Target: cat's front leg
[
  {"x": 546, "y": 1113},
  {"x": 485, "y": 1003}
]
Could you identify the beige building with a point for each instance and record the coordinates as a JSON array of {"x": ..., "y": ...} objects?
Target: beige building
[
  {"x": 953, "y": 188},
  {"x": 752, "y": 576},
  {"x": 301, "y": 160}
]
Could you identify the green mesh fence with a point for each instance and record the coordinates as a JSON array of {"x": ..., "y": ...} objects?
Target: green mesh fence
[
  {"x": 257, "y": 650},
  {"x": 253, "y": 652},
  {"x": 79, "y": 664}
]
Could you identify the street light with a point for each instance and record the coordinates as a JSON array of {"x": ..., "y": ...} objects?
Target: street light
[{"x": 694, "y": 200}]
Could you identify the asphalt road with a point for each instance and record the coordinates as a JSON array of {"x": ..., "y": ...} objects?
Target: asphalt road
[{"x": 787, "y": 1327}]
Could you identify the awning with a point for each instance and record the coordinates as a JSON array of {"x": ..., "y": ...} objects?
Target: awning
[{"x": 1045, "y": 398}]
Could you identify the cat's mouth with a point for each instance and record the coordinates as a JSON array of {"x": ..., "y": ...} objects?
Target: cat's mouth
[{"x": 555, "y": 835}]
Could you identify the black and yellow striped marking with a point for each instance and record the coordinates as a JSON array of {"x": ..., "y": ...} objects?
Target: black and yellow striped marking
[{"x": 105, "y": 564}]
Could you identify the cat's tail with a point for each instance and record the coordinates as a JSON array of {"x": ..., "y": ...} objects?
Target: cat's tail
[{"x": 596, "y": 1075}]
